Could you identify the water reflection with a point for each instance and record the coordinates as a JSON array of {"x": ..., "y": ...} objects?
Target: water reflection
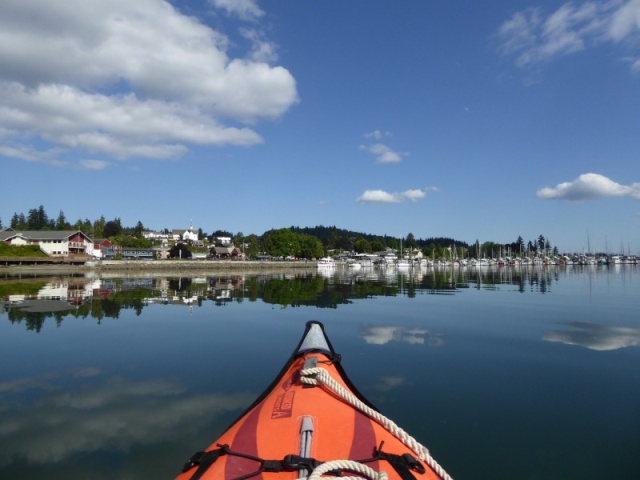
[
  {"x": 32, "y": 301},
  {"x": 48, "y": 421},
  {"x": 380, "y": 335},
  {"x": 135, "y": 398},
  {"x": 595, "y": 337}
]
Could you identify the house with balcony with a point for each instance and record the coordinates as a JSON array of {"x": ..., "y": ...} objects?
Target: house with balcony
[{"x": 54, "y": 243}]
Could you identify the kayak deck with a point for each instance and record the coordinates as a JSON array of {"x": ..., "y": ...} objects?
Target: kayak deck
[{"x": 310, "y": 417}]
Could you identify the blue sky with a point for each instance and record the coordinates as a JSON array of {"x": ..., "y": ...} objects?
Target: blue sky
[{"x": 472, "y": 120}]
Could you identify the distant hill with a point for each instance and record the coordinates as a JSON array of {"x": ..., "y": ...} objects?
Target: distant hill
[{"x": 324, "y": 234}]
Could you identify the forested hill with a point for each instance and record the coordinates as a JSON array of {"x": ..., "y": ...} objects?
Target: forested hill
[
  {"x": 329, "y": 235},
  {"x": 323, "y": 233}
]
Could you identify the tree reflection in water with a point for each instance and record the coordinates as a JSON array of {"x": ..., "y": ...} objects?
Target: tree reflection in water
[{"x": 31, "y": 302}]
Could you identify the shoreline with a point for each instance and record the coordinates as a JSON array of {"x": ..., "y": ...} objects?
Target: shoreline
[{"x": 160, "y": 266}]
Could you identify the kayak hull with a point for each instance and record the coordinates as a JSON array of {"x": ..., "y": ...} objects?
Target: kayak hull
[{"x": 293, "y": 427}]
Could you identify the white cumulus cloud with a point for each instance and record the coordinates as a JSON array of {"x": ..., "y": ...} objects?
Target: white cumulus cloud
[
  {"x": 380, "y": 196},
  {"x": 126, "y": 79},
  {"x": 589, "y": 186},
  {"x": 383, "y": 153}
]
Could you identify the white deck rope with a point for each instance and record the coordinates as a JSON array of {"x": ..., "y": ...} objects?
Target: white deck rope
[
  {"x": 322, "y": 377},
  {"x": 350, "y": 465}
]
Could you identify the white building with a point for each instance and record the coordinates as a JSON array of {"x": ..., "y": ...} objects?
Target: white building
[
  {"x": 53, "y": 243},
  {"x": 185, "y": 235}
]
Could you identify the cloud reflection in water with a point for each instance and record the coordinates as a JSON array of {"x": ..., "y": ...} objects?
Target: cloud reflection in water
[
  {"x": 43, "y": 420},
  {"x": 380, "y": 335},
  {"x": 595, "y": 336}
]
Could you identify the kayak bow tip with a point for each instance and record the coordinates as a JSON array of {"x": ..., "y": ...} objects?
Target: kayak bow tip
[{"x": 314, "y": 339}]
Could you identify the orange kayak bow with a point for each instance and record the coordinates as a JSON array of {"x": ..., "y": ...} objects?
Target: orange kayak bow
[{"x": 311, "y": 421}]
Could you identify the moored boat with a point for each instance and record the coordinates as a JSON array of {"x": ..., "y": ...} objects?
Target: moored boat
[
  {"x": 309, "y": 422},
  {"x": 326, "y": 262}
]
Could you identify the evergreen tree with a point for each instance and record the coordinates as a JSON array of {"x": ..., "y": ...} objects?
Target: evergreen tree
[
  {"x": 43, "y": 219},
  {"x": 139, "y": 228},
  {"x": 98, "y": 227},
  {"x": 37, "y": 219},
  {"x": 112, "y": 228},
  {"x": 61, "y": 222},
  {"x": 410, "y": 241},
  {"x": 519, "y": 245},
  {"x": 332, "y": 240}
]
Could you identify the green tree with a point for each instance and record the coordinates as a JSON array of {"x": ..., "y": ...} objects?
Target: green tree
[
  {"x": 332, "y": 240},
  {"x": 530, "y": 247},
  {"x": 112, "y": 228},
  {"x": 134, "y": 242},
  {"x": 238, "y": 241},
  {"x": 362, "y": 245},
  {"x": 280, "y": 243},
  {"x": 98, "y": 227},
  {"x": 37, "y": 219},
  {"x": 61, "y": 222},
  {"x": 19, "y": 222},
  {"x": 377, "y": 245},
  {"x": 252, "y": 248},
  {"x": 310, "y": 247},
  {"x": 429, "y": 250},
  {"x": 180, "y": 250},
  {"x": 343, "y": 243},
  {"x": 138, "y": 229},
  {"x": 491, "y": 248},
  {"x": 410, "y": 241},
  {"x": 83, "y": 225}
]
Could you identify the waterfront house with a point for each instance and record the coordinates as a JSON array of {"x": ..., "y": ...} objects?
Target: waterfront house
[
  {"x": 102, "y": 248},
  {"x": 52, "y": 242},
  {"x": 225, "y": 252}
]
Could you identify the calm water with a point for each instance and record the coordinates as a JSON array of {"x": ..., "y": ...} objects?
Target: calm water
[{"x": 503, "y": 374}]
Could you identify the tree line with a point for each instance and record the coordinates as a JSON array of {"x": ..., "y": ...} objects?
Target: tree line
[{"x": 307, "y": 242}]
